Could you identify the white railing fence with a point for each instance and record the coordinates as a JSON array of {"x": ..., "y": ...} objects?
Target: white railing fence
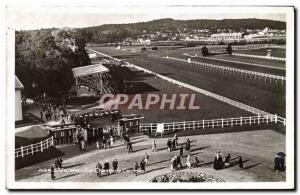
[
  {"x": 214, "y": 123},
  {"x": 241, "y": 72},
  {"x": 259, "y": 57},
  {"x": 34, "y": 148}
]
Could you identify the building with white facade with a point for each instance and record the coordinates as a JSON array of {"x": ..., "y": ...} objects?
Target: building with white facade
[
  {"x": 18, "y": 100},
  {"x": 226, "y": 37}
]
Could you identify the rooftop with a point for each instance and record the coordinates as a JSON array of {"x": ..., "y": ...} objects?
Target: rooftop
[
  {"x": 18, "y": 84},
  {"x": 89, "y": 70}
]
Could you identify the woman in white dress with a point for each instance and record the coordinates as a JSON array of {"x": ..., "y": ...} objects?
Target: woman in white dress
[{"x": 188, "y": 162}]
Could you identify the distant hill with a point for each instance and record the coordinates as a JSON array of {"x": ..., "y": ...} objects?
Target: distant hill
[{"x": 118, "y": 32}]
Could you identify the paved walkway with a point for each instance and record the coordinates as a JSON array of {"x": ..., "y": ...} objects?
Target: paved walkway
[{"x": 256, "y": 147}]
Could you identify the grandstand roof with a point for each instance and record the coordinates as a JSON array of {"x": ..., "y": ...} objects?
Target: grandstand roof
[
  {"x": 18, "y": 84},
  {"x": 89, "y": 70}
]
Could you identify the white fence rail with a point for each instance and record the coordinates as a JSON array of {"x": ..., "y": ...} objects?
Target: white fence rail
[
  {"x": 248, "y": 73},
  {"x": 247, "y": 46},
  {"x": 34, "y": 148},
  {"x": 259, "y": 57},
  {"x": 214, "y": 123}
]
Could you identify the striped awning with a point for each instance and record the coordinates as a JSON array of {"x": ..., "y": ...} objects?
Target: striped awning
[{"x": 89, "y": 70}]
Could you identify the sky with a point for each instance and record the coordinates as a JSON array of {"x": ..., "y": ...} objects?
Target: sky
[{"x": 28, "y": 19}]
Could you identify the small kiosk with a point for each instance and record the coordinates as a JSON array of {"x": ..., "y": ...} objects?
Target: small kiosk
[{"x": 129, "y": 124}]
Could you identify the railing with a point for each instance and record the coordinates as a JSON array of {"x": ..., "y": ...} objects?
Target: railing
[
  {"x": 247, "y": 46},
  {"x": 214, "y": 123},
  {"x": 251, "y": 74},
  {"x": 62, "y": 126},
  {"x": 34, "y": 148},
  {"x": 260, "y": 57},
  {"x": 199, "y": 90}
]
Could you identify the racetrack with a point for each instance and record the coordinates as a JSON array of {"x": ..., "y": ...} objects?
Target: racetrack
[{"x": 266, "y": 96}]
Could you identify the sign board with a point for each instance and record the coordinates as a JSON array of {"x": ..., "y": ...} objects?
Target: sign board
[{"x": 160, "y": 128}]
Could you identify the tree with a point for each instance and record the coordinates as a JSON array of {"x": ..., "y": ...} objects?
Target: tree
[
  {"x": 204, "y": 51},
  {"x": 40, "y": 60},
  {"x": 229, "y": 49}
]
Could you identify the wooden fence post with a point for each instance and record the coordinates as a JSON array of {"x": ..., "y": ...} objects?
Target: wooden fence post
[
  {"x": 241, "y": 122},
  {"x": 203, "y": 123},
  {"x": 250, "y": 120},
  {"x": 222, "y": 122},
  {"x": 275, "y": 118},
  {"x": 267, "y": 119},
  {"x": 47, "y": 143},
  {"x": 42, "y": 146},
  {"x": 231, "y": 122},
  {"x": 184, "y": 125},
  {"x": 52, "y": 141},
  {"x": 31, "y": 149},
  {"x": 194, "y": 125},
  {"x": 22, "y": 152}
]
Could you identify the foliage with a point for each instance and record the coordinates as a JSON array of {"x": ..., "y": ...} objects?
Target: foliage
[
  {"x": 229, "y": 49},
  {"x": 42, "y": 60},
  {"x": 111, "y": 33},
  {"x": 204, "y": 51}
]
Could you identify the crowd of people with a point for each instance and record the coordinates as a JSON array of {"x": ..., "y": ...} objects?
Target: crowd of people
[
  {"x": 184, "y": 151},
  {"x": 50, "y": 111},
  {"x": 219, "y": 163},
  {"x": 279, "y": 163}
]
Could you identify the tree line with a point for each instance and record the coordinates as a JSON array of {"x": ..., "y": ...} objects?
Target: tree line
[{"x": 109, "y": 33}]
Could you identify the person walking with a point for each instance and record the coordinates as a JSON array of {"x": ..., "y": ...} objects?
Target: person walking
[
  {"x": 169, "y": 144},
  {"x": 111, "y": 141},
  {"x": 52, "y": 172},
  {"x": 281, "y": 160},
  {"x": 60, "y": 162},
  {"x": 188, "y": 161},
  {"x": 178, "y": 161},
  {"x": 146, "y": 158},
  {"x": 41, "y": 113},
  {"x": 173, "y": 144},
  {"x": 106, "y": 167},
  {"x": 130, "y": 147},
  {"x": 154, "y": 146},
  {"x": 197, "y": 161},
  {"x": 188, "y": 145},
  {"x": 135, "y": 168},
  {"x": 176, "y": 139},
  {"x": 172, "y": 164},
  {"x": 115, "y": 165},
  {"x": 143, "y": 166},
  {"x": 227, "y": 160},
  {"x": 276, "y": 163},
  {"x": 241, "y": 163},
  {"x": 181, "y": 152},
  {"x": 97, "y": 145},
  {"x": 98, "y": 169}
]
